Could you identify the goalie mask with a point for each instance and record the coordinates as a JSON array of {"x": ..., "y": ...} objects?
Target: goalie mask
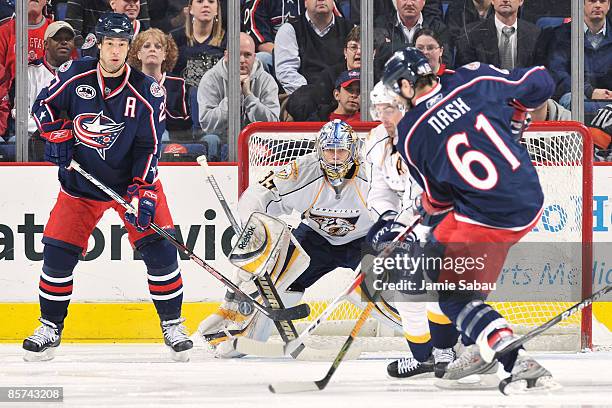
[{"x": 338, "y": 150}]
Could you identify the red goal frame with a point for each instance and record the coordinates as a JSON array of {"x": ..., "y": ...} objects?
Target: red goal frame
[{"x": 586, "y": 335}]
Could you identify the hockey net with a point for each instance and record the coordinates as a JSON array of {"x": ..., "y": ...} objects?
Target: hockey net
[{"x": 562, "y": 155}]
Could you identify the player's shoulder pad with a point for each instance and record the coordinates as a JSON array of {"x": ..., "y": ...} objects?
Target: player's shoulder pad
[
  {"x": 375, "y": 142},
  {"x": 298, "y": 173},
  {"x": 72, "y": 68},
  {"x": 146, "y": 86}
]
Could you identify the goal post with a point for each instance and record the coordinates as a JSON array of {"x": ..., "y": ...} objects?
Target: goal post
[{"x": 562, "y": 153}]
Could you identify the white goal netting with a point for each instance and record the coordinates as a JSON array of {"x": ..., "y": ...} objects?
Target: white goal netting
[{"x": 565, "y": 171}]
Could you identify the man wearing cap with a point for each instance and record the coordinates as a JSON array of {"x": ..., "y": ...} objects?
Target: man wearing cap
[
  {"x": 59, "y": 46},
  {"x": 347, "y": 93}
]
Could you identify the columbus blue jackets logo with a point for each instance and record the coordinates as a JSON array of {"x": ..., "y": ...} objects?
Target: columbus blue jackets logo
[{"x": 97, "y": 131}]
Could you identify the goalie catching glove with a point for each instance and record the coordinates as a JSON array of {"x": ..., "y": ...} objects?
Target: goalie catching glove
[
  {"x": 59, "y": 142},
  {"x": 143, "y": 198}
]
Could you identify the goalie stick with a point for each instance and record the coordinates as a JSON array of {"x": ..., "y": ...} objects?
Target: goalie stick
[
  {"x": 264, "y": 283},
  {"x": 296, "y": 312},
  {"x": 265, "y": 349},
  {"x": 303, "y": 386}
]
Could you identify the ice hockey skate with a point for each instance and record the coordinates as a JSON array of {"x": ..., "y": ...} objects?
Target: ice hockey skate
[
  {"x": 41, "y": 345},
  {"x": 175, "y": 337},
  {"x": 527, "y": 377},
  {"x": 442, "y": 358},
  {"x": 469, "y": 371},
  {"x": 410, "y": 368}
]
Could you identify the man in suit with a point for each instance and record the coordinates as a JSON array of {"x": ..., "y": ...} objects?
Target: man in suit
[
  {"x": 396, "y": 30},
  {"x": 503, "y": 40}
]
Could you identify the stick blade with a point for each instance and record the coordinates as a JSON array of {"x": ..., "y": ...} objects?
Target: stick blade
[
  {"x": 291, "y": 387},
  {"x": 202, "y": 160},
  {"x": 293, "y": 313},
  {"x": 252, "y": 347}
]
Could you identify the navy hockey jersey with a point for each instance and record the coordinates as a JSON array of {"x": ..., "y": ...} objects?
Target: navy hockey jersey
[
  {"x": 117, "y": 134},
  {"x": 459, "y": 146}
]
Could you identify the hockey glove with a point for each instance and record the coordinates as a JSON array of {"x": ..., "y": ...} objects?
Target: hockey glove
[
  {"x": 385, "y": 230},
  {"x": 144, "y": 199},
  {"x": 521, "y": 119},
  {"x": 59, "y": 142}
]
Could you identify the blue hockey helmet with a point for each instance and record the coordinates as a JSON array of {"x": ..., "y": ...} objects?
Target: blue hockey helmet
[
  {"x": 114, "y": 25},
  {"x": 409, "y": 64},
  {"x": 337, "y": 135}
]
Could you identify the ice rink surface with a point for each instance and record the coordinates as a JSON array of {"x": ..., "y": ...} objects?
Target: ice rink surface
[{"x": 144, "y": 376}]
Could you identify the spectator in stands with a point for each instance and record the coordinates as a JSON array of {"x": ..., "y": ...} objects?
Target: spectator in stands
[
  {"x": 308, "y": 45},
  {"x": 350, "y": 9},
  {"x": 503, "y": 40},
  {"x": 347, "y": 97},
  {"x": 7, "y": 9},
  {"x": 202, "y": 43},
  {"x": 462, "y": 13},
  {"x": 601, "y": 130},
  {"x": 430, "y": 44},
  {"x": 155, "y": 53},
  {"x": 305, "y": 103},
  {"x": 58, "y": 45},
  {"x": 259, "y": 96},
  {"x": 37, "y": 24},
  {"x": 395, "y": 31},
  {"x": 84, "y": 14},
  {"x": 550, "y": 110},
  {"x": 263, "y": 18},
  {"x": 130, "y": 8},
  {"x": 597, "y": 56}
]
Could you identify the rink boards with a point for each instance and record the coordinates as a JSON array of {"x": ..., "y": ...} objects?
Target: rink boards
[{"x": 110, "y": 298}]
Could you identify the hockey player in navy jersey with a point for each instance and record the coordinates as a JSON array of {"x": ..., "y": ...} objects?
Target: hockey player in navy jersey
[
  {"x": 460, "y": 146},
  {"x": 115, "y": 119}
]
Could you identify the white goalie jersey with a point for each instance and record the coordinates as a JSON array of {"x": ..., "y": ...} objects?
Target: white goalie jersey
[
  {"x": 391, "y": 186},
  {"x": 339, "y": 214}
]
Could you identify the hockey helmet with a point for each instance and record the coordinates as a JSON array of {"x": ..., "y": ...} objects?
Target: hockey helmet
[
  {"x": 114, "y": 25},
  {"x": 409, "y": 64},
  {"x": 337, "y": 135},
  {"x": 380, "y": 95}
]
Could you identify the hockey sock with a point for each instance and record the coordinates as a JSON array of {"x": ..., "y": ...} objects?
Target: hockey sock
[
  {"x": 164, "y": 278},
  {"x": 443, "y": 333},
  {"x": 55, "y": 286},
  {"x": 420, "y": 351}
]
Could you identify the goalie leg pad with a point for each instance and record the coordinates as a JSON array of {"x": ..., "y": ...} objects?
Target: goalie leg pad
[{"x": 290, "y": 263}]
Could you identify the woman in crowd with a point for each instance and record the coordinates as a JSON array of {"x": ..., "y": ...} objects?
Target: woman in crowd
[
  {"x": 430, "y": 44},
  {"x": 155, "y": 53},
  {"x": 202, "y": 42}
]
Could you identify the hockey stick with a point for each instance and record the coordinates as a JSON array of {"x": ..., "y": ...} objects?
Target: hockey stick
[
  {"x": 264, "y": 349},
  {"x": 302, "y": 386},
  {"x": 259, "y": 348},
  {"x": 264, "y": 284},
  {"x": 555, "y": 320},
  {"x": 296, "y": 312}
]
